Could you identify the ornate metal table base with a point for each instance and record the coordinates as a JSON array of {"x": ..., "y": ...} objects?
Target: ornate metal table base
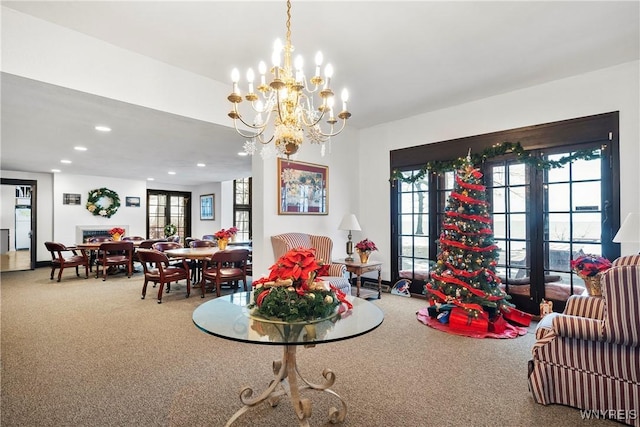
[{"x": 286, "y": 383}]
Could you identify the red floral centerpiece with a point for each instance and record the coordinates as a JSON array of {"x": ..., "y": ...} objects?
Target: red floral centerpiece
[
  {"x": 364, "y": 248},
  {"x": 292, "y": 293},
  {"x": 589, "y": 267},
  {"x": 116, "y": 233},
  {"x": 223, "y": 236}
]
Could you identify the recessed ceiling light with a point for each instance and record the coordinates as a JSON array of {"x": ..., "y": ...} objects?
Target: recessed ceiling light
[
  {"x": 55, "y": 170},
  {"x": 65, "y": 161},
  {"x": 150, "y": 179},
  {"x": 79, "y": 148},
  {"x": 103, "y": 128},
  {"x": 171, "y": 173},
  {"x": 201, "y": 165},
  {"x": 243, "y": 154}
]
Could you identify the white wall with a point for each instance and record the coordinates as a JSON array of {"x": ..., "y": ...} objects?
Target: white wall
[
  {"x": 47, "y": 52},
  {"x": 611, "y": 89},
  {"x": 67, "y": 217},
  {"x": 7, "y": 212},
  {"x": 200, "y": 228},
  {"x": 343, "y": 198},
  {"x": 44, "y": 188}
]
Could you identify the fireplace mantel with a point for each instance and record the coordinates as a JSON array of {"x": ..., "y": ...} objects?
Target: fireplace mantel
[{"x": 84, "y": 231}]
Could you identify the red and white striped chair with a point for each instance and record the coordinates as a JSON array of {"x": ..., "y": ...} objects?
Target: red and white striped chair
[
  {"x": 588, "y": 357},
  {"x": 323, "y": 245}
]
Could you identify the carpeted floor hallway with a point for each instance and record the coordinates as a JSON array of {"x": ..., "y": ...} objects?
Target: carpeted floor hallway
[{"x": 92, "y": 353}]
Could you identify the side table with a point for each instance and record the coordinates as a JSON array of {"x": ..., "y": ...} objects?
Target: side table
[{"x": 358, "y": 268}]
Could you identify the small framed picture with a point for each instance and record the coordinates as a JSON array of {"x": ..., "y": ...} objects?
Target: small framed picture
[
  {"x": 70, "y": 199},
  {"x": 133, "y": 202},
  {"x": 207, "y": 207}
]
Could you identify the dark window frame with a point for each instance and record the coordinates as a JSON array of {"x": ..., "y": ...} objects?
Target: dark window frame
[
  {"x": 187, "y": 213},
  {"x": 573, "y": 134}
]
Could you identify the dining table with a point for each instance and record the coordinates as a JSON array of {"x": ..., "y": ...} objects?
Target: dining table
[
  {"x": 198, "y": 255},
  {"x": 93, "y": 247}
]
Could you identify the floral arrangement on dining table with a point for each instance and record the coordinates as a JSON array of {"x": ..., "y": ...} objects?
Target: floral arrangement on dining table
[
  {"x": 292, "y": 291},
  {"x": 226, "y": 234},
  {"x": 116, "y": 233}
]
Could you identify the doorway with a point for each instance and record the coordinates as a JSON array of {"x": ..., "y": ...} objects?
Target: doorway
[{"x": 18, "y": 224}]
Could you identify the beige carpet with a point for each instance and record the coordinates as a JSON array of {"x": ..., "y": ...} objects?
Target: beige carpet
[{"x": 92, "y": 353}]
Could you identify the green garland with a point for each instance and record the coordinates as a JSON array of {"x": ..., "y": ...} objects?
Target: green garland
[
  {"x": 104, "y": 211},
  {"x": 440, "y": 166}
]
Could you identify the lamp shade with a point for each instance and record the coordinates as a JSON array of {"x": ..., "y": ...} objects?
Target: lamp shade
[
  {"x": 349, "y": 222},
  {"x": 630, "y": 229}
]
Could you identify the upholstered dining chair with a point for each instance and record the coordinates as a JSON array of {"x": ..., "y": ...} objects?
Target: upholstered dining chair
[
  {"x": 114, "y": 254},
  {"x": 133, "y": 238},
  {"x": 158, "y": 270},
  {"x": 202, "y": 244},
  {"x": 209, "y": 237},
  {"x": 92, "y": 253},
  {"x": 165, "y": 246},
  {"x": 60, "y": 261},
  {"x": 228, "y": 266}
]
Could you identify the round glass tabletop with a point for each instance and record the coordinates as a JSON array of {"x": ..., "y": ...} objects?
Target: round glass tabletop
[{"x": 229, "y": 317}]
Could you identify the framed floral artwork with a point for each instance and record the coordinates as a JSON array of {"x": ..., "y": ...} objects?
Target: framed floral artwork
[
  {"x": 303, "y": 188},
  {"x": 207, "y": 207}
]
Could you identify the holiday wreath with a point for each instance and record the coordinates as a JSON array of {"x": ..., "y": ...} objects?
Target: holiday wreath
[{"x": 96, "y": 208}]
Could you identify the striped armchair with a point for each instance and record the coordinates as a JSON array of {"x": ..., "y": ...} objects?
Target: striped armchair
[
  {"x": 323, "y": 245},
  {"x": 588, "y": 357}
]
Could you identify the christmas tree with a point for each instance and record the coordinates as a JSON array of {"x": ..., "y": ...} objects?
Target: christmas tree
[{"x": 465, "y": 272}]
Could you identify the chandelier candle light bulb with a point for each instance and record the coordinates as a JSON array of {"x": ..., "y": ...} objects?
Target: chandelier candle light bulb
[{"x": 294, "y": 106}]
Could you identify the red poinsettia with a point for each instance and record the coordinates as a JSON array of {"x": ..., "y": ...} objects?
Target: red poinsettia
[
  {"x": 366, "y": 245},
  {"x": 116, "y": 230},
  {"x": 590, "y": 265},
  {"x": 226, "y": 234}
]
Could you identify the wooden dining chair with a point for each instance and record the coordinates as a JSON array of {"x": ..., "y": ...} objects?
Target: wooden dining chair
[
  {"x": 225, "y": 267},
  {"x": 165, "y": 246},
  {"x": 202, "y": 244},
  {"x": 114, "y": 254},
  {"x": 93, "y": 253},
  {"x": 158, "y": 270},
  {"x": 133, "y": 238},
  {"x": 60, "y": 261}
]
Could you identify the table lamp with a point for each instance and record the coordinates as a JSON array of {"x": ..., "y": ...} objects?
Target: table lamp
[
  {"x": 349, "y": 222},
  {"x": 629, "y": 232}
]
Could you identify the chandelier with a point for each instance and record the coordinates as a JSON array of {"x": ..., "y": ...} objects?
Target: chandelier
[{"x": 290, "y": 105}]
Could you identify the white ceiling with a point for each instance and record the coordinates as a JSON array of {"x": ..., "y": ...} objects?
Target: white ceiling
[{"x": 396, "y": 58}]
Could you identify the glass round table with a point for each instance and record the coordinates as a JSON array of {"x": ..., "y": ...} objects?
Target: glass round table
[{"x": 230, "y": 318}]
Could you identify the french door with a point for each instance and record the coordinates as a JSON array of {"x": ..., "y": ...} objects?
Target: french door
[
  {"x": 168, "y": 207},
  {"x": 542, "y": 217}
]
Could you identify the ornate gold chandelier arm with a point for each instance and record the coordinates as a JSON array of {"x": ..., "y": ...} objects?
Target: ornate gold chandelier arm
[{"x": 292, "y": 96}]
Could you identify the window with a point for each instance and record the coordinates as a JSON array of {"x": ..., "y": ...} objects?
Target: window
[
  {"x": 542, "y": 218},
  {"x": 242, "y": 208},
  {"x": 168, "y": 207}
]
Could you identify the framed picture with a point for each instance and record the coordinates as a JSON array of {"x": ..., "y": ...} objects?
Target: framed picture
[
  {"x": 70, "y": 199},
  {"x": 132, "y": 201},
  {"x": 207, "y": 207},
  {"x": 303, "y": 188}
]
